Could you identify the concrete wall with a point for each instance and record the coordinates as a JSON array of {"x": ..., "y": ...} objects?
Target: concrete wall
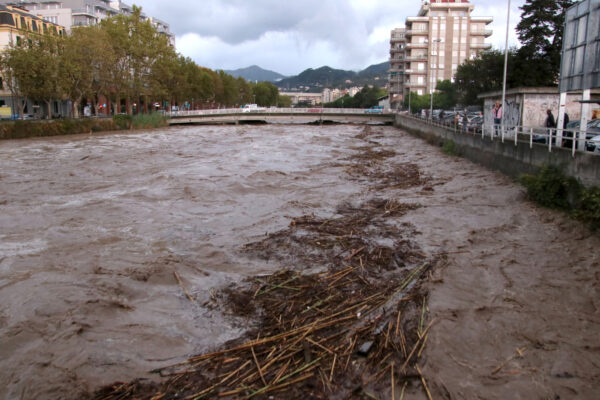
[
  {"x": 506, "y": 157},
  {"x": 529, "y": 109}
]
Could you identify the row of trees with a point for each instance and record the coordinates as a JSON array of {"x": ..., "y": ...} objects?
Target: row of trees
[
  {"x": 367, "y": 97},
  {"x": 535, "y": 63},
  {"x": 122, "y": 59}
]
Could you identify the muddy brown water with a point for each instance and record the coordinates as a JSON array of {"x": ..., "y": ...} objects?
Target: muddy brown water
[{"x": 92, "y": 229}]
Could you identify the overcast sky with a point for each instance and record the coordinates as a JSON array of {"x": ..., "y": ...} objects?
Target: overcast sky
[{"x": 291, "y": 36}]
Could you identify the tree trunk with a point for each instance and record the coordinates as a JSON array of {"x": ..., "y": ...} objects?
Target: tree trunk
[
  {"x": 22, "y": 103},
  {"x": 75, "y": 106},
  {"x": 49, "y": 109}
]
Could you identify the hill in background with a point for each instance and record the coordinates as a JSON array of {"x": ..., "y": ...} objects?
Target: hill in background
[
  {"x": 255, "y": 73},
  {"x": 315, "y": 80}
]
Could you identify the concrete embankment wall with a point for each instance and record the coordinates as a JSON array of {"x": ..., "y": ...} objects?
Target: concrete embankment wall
[{"x": 506, "y": 157}]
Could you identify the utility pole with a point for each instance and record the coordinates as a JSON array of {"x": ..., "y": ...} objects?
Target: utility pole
[
  {"x": 505, "y": 71},
  {"x": 433, "y": 81}
]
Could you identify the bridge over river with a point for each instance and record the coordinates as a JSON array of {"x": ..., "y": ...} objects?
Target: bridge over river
[{"x": 281, "y": 115}]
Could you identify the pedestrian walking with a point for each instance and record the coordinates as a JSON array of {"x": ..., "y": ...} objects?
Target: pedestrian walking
[
  {"x": 465, "y": 122},
  {"x": 568, "y": 143},
  {"x": 550, "y": 123},
  {"x": 497, "y": 113}
]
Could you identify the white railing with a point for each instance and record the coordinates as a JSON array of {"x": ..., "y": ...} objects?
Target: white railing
[
  {"x": 271, "y": 110},
  {"x": 552, "y": 138}
]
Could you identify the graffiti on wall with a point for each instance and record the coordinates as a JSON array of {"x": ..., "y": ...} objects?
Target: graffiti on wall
[
  {"x": 532, "y": 108},
  {"x": 512, "y": 112}
]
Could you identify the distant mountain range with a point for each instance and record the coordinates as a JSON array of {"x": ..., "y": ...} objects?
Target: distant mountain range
[
  {"x": 256, "y": 73},
  {"x": 316, "y": 79}
]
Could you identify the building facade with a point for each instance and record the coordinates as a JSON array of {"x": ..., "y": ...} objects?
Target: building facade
[
  {"x": 433, "y": 44},
  {"x": 72, "y": 13},
  {"x": 15, "y": 23}
]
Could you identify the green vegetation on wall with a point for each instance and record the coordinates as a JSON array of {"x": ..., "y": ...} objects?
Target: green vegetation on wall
[{"x": 550, "y": 187}]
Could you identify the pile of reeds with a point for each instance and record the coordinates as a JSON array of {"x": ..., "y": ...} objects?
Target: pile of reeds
[{"x": 344, "y": 332}]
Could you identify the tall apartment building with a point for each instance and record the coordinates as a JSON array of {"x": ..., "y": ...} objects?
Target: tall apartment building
[
  {"x": 432, "y": 46},
  {"x": 69, "y": 13}
]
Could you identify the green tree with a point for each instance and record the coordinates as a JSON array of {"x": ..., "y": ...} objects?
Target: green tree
[
  {"x": 138, "y": 46},
  {"x": 541, "y": 31},
  {"x": 85, "y": 62},
  {"x": 284, "y": 101},
  {"x": 447, "y": 95},
  {"x": 32, "y": 67},
  {"x": 482, "y": 74},
  {"x": 265, "y": 93}
]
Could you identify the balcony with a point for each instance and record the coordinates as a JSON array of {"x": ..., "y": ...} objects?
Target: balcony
[
  {"x": 83, "y": 11},
  {"x": 418, "y": 57},
  {"x": 486, "y": 33},
  {"x": 415, "y": 85},
  {"x": 416, "y": 19},
  {"x": 484, "y": 46},
  {"x": 396, "y": 70},
  {"x": 420, "y": 32},
  {"x": 487, "y": 20},
  {"x": 417, "y": 45},
  {"x": 397, "y": 38},
  {"x": 416, "y": 71}
]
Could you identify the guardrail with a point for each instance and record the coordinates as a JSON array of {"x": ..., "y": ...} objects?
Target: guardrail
[
  {"x": 271, "y": 110},
  {"x": 553, "y": 138}
]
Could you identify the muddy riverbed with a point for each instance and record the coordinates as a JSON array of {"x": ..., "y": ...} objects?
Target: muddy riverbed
[{"x": 96, "y": 230}]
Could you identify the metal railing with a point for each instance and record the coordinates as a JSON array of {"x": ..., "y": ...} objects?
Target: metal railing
[
  {"x": 270, "y": 110},
  {"x": 553, "y": 138}
]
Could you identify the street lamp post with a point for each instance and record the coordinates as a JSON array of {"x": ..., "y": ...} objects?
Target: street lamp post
[
  {"x": 505, "y": 72},
  {"x": 433, "y": 81}
]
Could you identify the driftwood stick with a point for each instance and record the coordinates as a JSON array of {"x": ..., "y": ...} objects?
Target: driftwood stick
[{"x": 189, "y": 296}]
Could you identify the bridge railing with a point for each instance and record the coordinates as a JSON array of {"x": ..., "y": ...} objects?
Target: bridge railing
[
  {"x": 573, "y": 139},
  {"x": 272, "y": 110}
]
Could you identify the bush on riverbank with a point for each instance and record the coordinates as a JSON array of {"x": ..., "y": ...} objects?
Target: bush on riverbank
[
  {"x": 140, "y": 121},
  {"x": 148, "y": 121},
  {"x": 449, "y": 148},
  {"x": 550, "y": 187},
  {"x": 27, "y": 129}
]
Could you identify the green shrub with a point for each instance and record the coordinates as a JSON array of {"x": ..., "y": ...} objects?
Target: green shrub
[
  {"x": 148, "y": 121},
  {"x": 589, "y": 206},
  {"x": 449, "y": 148},
  {"x": 25, "y": 129},
  {"x": 122, "y": 121},
  {"x": 551, "y": 188}
]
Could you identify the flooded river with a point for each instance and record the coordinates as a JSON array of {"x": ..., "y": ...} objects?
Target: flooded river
[{"x": 96, "y": 230}]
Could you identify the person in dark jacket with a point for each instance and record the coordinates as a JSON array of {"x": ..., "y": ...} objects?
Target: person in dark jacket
[{"x": 550, "y": 123}]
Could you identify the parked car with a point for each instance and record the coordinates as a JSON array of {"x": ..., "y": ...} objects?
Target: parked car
[
  {"x": 252, "y": 108},
  {"x": 374, "y": 110},
  {"x": 475, "y": 124},
  {"x": 593, "y": 143}
]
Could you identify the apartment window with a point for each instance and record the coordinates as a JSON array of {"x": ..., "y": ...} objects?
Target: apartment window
[
  {"x": 442, "y": 27},
  {"x": 420, "y": 80},
  {"x": 421, "y": 66},
  {"x": 420, "y": 92},
  {"x": 6, "y": 19},
  {"x": 23, "y": 23},
  {"x": 582, "y": 29}
]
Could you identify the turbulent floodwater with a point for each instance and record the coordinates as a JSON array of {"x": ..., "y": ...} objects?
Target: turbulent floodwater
[{"x": 93, "y": 228}]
